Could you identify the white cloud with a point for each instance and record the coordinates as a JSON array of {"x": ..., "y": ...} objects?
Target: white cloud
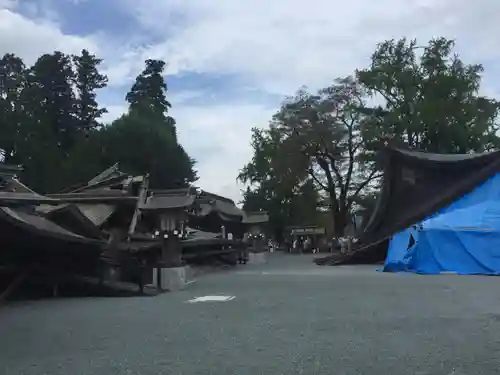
[
  {"x": 8, "y": 4},
  {"x": 114, "y": 111},
  {"x": 271, "y": 45},
  {"x": 29, "y": 38},
  {"x": 218, "y": 137},
  {"x": 282, "y": 44},
  {"x": 225, "y": 130},
  {"x": 279, "y": 45}
]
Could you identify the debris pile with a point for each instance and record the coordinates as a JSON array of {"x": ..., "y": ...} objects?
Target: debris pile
[{"x": 108, "y": 235}]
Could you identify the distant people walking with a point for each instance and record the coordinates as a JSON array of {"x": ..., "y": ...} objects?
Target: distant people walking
[
  {"x": 307, "y": 244},
  {"x": 243, "y": 249},
  {"x": 344, "y": 244}
]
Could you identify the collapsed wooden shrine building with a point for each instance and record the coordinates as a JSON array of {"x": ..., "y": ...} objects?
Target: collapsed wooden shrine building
[
  {"x": 416, "y": 186},
  {"x": 112, "y": 229}
]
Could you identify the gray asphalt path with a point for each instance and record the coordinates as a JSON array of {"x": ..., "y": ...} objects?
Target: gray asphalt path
[{"x": 288, "y": 317}]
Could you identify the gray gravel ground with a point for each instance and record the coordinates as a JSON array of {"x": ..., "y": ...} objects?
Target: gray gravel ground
[{"x": 289, "y": 317}]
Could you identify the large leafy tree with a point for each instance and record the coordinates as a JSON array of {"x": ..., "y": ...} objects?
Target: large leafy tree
[
  {"x": 50, "y": 123},
  {"x": 322, "y": 137},
  {"x": 144, "y": 140},
  {"x": 145, "y": 145},
  {"x": 289, "y": 197},
  {"x": 430, "y": 98}
]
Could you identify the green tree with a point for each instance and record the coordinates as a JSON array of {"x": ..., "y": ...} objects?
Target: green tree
[
  {"x": 12, "y": 82},
  {"x": 53, "y": 100},
  {"x": 431, "y": 99},
  {"x": 58, "y": 109},
  {"x": 289, "y": 198},
  {"x": 144, "y": 140},
  {"x": 146, "y": 145},
  {"x": 87, "y": 81},
  {"x": 322, "y": 139},
  {"x": 148, "y": 94},
  {"x": 49, "y": 123},
  {"x": 49, "y": 129}
]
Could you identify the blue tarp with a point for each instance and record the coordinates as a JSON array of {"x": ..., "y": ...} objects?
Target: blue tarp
[
  {"x": 400, "y": 252},
  {"x": 488, "y": 191},
  {"x": 463, "y": 238}
]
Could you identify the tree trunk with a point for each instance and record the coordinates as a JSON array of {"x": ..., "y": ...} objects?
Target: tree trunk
[{"x": 339, "y": 223}]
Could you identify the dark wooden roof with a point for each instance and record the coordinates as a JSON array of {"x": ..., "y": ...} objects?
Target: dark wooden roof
[
  {"x": 108, "y": 177},
  {"x": 39, "y": 229},
  {"x": 209, "y": 203},
  {"x": 96, "y": 196},
  {"x": 415, "y": 186},
  {"x": 16, "y": 199},
  {"x": 444, "y": 158},
  {"x": 256, "y": 217},
  {"x": 168, "y": 199},
  {"x": 10, "y": 169}
]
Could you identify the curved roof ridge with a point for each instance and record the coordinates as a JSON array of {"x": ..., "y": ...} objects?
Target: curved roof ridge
[{"x": 430, "y": 156}]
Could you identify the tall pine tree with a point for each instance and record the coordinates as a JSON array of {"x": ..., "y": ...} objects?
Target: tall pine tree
[
  {"x": 144, "y": 140},
  {"x": 12, "y": 82},
  {"x": 50, "y": 130},
  {"x": 87, "y": 80},
  {"x": 50, "y": 82},
  {"x": 148, "y": 94}
]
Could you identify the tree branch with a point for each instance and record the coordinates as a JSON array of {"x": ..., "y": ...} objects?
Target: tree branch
[
  {"x": 336, "y": 172},
  {"x": 373, "y": 175},
  {"x": 331, "y": 184},
  {"x": 350, "y": 151},
  {"x": 322, "y": 185}
]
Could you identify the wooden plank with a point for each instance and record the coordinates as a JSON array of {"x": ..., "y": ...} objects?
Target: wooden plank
[{"x": 141, "y": 199}]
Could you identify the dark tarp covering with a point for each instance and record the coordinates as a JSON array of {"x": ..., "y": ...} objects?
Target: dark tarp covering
[{"x": 415, "y": 186}]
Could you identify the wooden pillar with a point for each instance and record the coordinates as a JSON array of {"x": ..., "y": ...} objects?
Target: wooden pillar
[
  {"x": 140, "y": 280},
  {"x": 175, "y": 251},
  {"x": 158, "y": 277},
  {"x": 101, "y": 268},
  {"x": 170, "y": 226},
  {"x": 141, "y": 199}
]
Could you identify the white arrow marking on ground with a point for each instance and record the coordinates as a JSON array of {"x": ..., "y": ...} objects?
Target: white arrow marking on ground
[{"x": 211, "y": 299}]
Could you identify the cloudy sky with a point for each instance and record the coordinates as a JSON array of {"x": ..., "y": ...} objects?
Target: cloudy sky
[{"x": 231, "y": 62}]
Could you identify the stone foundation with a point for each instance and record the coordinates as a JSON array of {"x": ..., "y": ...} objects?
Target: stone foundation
[
  {"x": 112, "y": 273},
  {"x": 257, "y": 258},
  {"x": 172, "y": 279}
]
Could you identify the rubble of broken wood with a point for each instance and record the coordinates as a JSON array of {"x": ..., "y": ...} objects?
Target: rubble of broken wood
[{"x": 106, "y": 236}]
